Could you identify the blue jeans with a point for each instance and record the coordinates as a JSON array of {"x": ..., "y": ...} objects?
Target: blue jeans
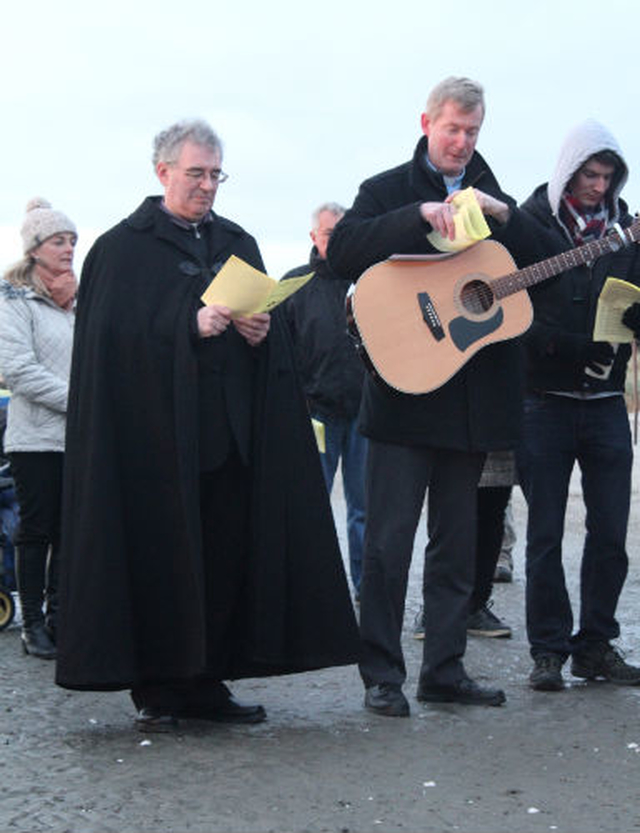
[
  {"x": 558, "y": 432},
  {"x": 343, "y": 440}
]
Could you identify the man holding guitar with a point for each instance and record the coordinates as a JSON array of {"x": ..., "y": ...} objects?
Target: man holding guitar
[
  {"x": 575, "y": 411},
  {"x": 439, "y": 439}
]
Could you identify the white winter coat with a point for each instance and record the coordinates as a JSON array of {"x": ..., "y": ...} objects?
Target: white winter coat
[{"x": 36, "y": 338}]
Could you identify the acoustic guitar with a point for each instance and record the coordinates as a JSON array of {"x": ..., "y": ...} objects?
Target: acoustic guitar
[{"x": 417, "y": 319}]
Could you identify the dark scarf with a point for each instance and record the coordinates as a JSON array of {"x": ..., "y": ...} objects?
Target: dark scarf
[{"x": 583, "y": 225}]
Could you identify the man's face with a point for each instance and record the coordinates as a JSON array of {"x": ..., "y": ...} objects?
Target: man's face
[
  {"x": 322, "y": 232},
  {"x": 591, "y": 182},
  {"x": 190, "y": 182},
  {"x": 452, "y": 136}
]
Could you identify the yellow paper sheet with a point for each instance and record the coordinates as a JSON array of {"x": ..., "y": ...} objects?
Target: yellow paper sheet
[
  {"x": 469, "y": 222},
  {"x": 246, "y": 290},
  {"x": 614, "y": 299},
  {"x": 318, "y": 430}
]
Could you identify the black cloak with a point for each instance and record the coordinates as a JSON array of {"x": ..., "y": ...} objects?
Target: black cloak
[{"x": 131, "y": 583}]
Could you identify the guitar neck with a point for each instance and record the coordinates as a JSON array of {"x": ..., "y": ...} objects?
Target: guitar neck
[{"x": 537, "y": 272}]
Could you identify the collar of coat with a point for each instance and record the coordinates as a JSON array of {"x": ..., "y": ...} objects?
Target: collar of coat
[
  {"x": 424, "y": 178},
  {"x": 148, "y": 213}
]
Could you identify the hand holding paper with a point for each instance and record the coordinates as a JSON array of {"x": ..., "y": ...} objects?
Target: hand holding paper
[
  {"x": 246, "y": 290},
  {"x": 469, "y": 223},
  {"x": 616, "y": 297}
]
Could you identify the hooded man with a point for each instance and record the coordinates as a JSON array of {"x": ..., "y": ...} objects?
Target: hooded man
[{"x": 575, "y": 412}]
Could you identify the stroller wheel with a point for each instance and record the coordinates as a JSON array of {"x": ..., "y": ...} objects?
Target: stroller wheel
[{"x": 7, "y": 608}]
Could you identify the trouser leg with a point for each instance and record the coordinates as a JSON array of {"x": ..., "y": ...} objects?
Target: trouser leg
[
  {"x": 396, "y": 481},
  {"x": 38, "y": 483},
  {"x": 354, "y": 460},
  {"x": 545, "y": 461},
  {"x": 449, "y": 563},
  {"x": 605, "y": 458},
  {"x": 492, "y": 503}
]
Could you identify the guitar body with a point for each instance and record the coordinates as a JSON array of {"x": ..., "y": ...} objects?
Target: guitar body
[{"x": 420, "y": 320}]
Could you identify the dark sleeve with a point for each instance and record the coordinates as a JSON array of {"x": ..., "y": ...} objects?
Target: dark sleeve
[{"x": 369, "y": 233}]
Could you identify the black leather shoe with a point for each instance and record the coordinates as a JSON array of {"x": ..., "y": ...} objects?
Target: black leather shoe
[
  {"x": 151, "y": 720},
  {"x": 386, "y": 699},
  {"x": 228, "y": 711},
  {"x": 465, "y": 691}
]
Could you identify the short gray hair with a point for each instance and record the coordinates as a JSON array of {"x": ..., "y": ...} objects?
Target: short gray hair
[
  {"x": 332, "y": 207},
  {"x": 466, "y": 93},
  {"x": 168, "y": 143}
]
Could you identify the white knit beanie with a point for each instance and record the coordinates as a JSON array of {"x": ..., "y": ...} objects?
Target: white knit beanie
[{"x": 41, "y": 223}]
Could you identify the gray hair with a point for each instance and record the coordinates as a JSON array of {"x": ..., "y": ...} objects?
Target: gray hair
[
  {"x": 332, "y": 207},
  {"x": 466, "y": 93},
  {"x": 168, "y": 143}
]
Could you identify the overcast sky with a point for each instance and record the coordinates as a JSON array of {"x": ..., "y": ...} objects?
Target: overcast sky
[{"x": 309, "y": 98}]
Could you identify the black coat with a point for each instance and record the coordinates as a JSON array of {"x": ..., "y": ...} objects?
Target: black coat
[
  {"x": 131, "y": 586},
  {"x": 479, "y": 409},
  {"x": 565, "y": 308},
  {"x": 332, "y": 373}
]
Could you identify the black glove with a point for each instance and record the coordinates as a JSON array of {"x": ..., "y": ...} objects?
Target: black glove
[
  {"x": 597, "y": 356},
  {"x": 631, "y": 319}
]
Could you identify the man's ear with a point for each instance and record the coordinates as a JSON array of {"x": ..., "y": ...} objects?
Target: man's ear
[{"x": 162, "y": 172}]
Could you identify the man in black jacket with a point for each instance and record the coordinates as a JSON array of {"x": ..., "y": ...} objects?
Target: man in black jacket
[
  {"x": 332, "y": 375},
  {"x": 575, "y": 412},
  {"x": 439, "y": 439},
  {"x": 193, "y": 550}
]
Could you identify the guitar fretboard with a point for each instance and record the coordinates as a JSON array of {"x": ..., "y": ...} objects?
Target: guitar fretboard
[{"x": 537, "y": 272}]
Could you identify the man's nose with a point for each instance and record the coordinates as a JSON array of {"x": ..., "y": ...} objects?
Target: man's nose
[
  {"x": 207, "y": 183},
  {"x": 602, "y": 185}
]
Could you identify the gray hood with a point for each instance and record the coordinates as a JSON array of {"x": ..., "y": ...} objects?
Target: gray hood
[{"x": 581, "y": 142}]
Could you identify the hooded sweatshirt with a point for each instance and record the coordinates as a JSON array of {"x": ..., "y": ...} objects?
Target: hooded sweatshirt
[{"x": 565, "y": 306}]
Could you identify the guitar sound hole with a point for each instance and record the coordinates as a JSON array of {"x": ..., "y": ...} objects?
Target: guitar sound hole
[{"x": 476, "y": 297}]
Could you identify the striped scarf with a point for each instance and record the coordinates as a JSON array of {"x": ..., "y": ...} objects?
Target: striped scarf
[{"x": 583, "y": 225}]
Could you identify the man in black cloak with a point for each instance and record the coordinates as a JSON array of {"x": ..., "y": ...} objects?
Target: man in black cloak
[{"x": 198, "y": 542}]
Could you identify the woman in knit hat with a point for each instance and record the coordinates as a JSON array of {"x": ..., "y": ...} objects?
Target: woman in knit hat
[{"x": 37, "y": 298}]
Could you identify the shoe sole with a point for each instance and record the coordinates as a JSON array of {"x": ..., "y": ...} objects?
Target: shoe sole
[
  {"x": 583, "y": 675},
  {"x": 388, "y": 712},
  {"x": 501, "y": 633},
  {"x": 259, "y": 716},
  {"x": 498, "y": 700},
  {"x": 149, "y": 727},
  {"x": 547, "y": 686}
]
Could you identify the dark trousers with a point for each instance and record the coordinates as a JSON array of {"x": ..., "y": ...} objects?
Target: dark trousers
[
  {"x": 38, "y": 481},
  {"x": 224, "y": 511},
  {"x": 345, "y": 443},
  {"x": 492, "y": 505},
  {"x": 397, "y": 480},
  {"x": 559, "y": 432}
]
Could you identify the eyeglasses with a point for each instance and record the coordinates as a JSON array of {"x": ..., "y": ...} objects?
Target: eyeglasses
[{"x": 198, "y": 174}]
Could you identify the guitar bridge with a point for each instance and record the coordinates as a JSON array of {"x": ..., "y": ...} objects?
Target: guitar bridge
[{"x": 430, "y": 316}]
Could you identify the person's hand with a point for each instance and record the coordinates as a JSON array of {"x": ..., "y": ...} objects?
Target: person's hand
[
  {"x": 63, "y": 287},
  {"x": 439, "y": 215},
  {"x": 253, "y": 328},
  {"x": 213, "y": 320},
  {"x": 631, "y": 319},
  {"x": 489, "y": 205}
]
